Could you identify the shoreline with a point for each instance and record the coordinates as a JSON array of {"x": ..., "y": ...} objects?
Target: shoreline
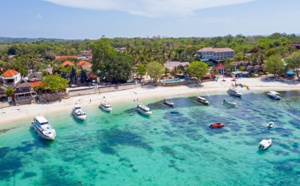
[{"x": 18, "y": 113}]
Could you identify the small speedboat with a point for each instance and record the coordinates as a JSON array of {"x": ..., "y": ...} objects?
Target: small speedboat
[
  {"x": 43, "y": 128},
  {"x": 168, "y": 103},
  {"x": 78, "y": 113},
  {"x": 217, "y": 125},
  {"x": 143, "y": 109},
  {"x": 264, "y": 144},
  {"x": 105, "y": 106},
  {"x": 234, "y": 92},
  {"x": 270, "y": 124},
  {"x": 274, "y": 95},
  {"x": 230, "y": 103},
  {"x": 202, "y": 100}
]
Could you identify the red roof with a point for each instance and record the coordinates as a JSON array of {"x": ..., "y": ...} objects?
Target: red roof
[
  {"x": 36, "y": 84},
  {"x": 10, "y": 73},
  {"x": 65, "y": 63},
  {"x": 84, "y": 63},
  {"x": 65, "y": 57},
  {"x": 220, "y": 66},
  {"x": 92, "y": 75}
]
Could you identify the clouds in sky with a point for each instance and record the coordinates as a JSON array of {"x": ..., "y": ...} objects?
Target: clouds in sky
[{"x": 149, "y": 8}]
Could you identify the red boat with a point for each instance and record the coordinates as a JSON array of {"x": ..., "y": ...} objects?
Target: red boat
[{"x": 217, "y": 125}]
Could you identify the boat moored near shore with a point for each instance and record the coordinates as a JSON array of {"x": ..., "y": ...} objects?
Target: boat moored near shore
[
  {"x": 43, "y": 128},
  {"x": 274, "y": 95},
  {"x": 105, "y": 106},
  {"x": 143, "y": 109},
  {"x": 168, "y": 103},
  {"x": 78, "y": 113},
  {"x": 234, "y": 92},
  {"x": 202, "y": 100}
]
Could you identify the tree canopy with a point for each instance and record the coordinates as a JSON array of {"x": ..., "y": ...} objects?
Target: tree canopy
[
  {"x": 155, "y": 70},
  {"x": 55, "y": 83},
  {"x": 293, "y": 62},
  {"x": 274, "y": 65},
  {"x": 198, "y": 69}
]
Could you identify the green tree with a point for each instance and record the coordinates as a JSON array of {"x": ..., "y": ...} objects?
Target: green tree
[
  {"x": 102, "y": 53},
  {"x": 141, "y": 70},
  {"x": 9, "y": 91},
  {"x": 274, "y": 65},
  {"x": 118, "y": 68},
  {"x": 293, "y": 62},
  {"x": 198, "y": 69},
  {"x": 155, "y": 70},
  {"x": 55, "y": 83}
]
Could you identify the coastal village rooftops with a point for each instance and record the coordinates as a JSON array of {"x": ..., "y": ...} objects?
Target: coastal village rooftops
[
  {"x": 209, "y": 49},
  {"x": 65, "y": 57},
  {"x": 67, "y": 63},
  {"x": 84, "y": 63},
  {"x": 10, "y": 73},
  {"x": 36, "y": 84}
]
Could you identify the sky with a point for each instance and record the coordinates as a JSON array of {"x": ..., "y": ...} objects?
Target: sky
[{"x": 92, "y": 19}]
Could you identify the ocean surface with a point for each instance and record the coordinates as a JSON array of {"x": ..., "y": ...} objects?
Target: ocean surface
[{"x": 174, "y": 146}]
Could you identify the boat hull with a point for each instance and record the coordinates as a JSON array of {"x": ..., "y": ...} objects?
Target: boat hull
[
  {"x": 143, "y": 112},
  {"x": 42, "y": 135},
  {"x": 203, "y": 103},
  {"x": 217, "y": 125},
  {"x": 105, "y": 109},
  {"x": 81, "y": 117}
]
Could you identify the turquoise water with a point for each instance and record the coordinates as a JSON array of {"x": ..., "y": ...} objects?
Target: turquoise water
[
  {"x": 171, "y": 80},
  {"x": 178, "y": 148}
]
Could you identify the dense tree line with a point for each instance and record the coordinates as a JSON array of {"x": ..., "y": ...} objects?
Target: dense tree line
[{"x": 141, "y": 51}]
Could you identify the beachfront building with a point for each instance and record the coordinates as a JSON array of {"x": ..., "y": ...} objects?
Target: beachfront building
[
  {"x": 220, "y": 68},
  {"x": 216, "y": 53},
  {"x": 11, "y": 77},
  {"x": 176, "y": 65},
  {"x": 23, "y": 93}
]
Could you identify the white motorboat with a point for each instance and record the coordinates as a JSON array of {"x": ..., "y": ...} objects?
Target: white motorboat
[
  {"x": 43, "y": 128},
  {"x": 234, "y": 92},
  {"x": 105, "y": 106},
  {"x": 270, "y": 124},
  {"x": 202, "y": 100},
  {"x": 274, "y": 95},
  {"x": 168, "y": 103},
  {"x": 230, "y": 103},
  {"x": 143, "y": 109},
  {"x": 78, "y": 113},
  {"x": 264, "y": 144}
]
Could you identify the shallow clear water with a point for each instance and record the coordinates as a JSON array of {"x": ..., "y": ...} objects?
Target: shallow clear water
[{"x": 167, "y": 148}]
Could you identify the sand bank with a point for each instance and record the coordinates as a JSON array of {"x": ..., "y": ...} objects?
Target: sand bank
[{"x": 17, "y": 113}]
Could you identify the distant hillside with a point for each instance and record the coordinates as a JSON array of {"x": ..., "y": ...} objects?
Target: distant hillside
[{"x": 30, "y": 40}]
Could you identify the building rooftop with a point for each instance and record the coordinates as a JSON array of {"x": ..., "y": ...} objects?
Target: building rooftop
[
  {"x": 84, "y": 63},
  {"x": 65, "y": 57},
  {"x": 9, "y": 73},
  {"x": 209, "y": 49},
  {"x": 65, "y": 63}
]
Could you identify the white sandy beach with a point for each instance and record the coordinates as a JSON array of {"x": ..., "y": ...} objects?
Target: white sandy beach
[{"x": 17, "y": 113}]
